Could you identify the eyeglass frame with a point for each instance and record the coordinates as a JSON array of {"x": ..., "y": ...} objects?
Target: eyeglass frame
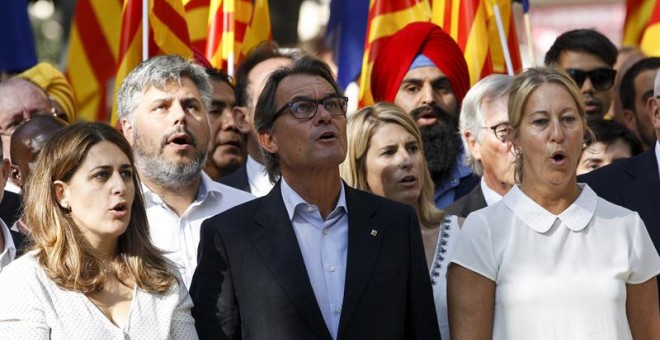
[
  {"x": 315, "y": 101},
  {"x": 495, "y": 127},
  {"x": 573, "y": 72}
]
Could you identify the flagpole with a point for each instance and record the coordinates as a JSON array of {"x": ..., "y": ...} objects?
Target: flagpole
[
  {"x": 503, "y": 41},
  {"x": 145, "y": 30},
  {"x": 528, "y": 33}
]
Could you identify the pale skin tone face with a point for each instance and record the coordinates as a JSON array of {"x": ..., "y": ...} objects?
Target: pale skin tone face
[
  {"x": 394, "y": 164},
  {"x": 227, "y": 144},
  {"x": 599, "y": 154},
  {"x": 550, "y": 139},
  {"x": 100, "y": 195},
  {"x": 639, "y": 121},
  {"x": 245, "y": 115},
  {"x": 496, "y": 157},
  {"x": 597, "y": 103},
  {"x": 17, "y": 104},
  {"x": 424, "y": 86}
]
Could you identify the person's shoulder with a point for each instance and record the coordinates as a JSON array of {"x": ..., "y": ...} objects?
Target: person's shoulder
[
  {"x": 616, "y": 169},
  {"x": 233, "y": 194},
  {"x": 362, "y": 198},
  {"x": 24, "y": 269}
]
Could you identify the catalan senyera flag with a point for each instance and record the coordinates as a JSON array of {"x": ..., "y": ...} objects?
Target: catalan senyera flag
[
  {"x": 197, "y": 14},
  {"x": 510, "y": 34},
  {"x": 235, "y": 27},
  {"x": 92, "y": 56},
  {"x": 168, "y": 34},
  {"x": 386, "y": 17},
  {"x": 638, "y": 14},
  {"x": 650, "y": 43}
]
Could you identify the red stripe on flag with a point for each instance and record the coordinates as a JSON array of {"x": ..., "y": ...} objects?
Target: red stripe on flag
[
  {"x": 130, "y": 23},
  {"x": 174, "y": 21},
  {"x": 95, "y": 43}
]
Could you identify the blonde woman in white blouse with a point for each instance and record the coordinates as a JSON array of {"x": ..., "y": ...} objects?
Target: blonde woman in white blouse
[
  {"x": 92, "y": 272},
  {"x": 552, "y": 260}
]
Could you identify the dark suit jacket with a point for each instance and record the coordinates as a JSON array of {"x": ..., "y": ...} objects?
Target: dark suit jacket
[
  {"x": 237, "y": 179},
  {"x": 634, "y": 184},
  {"x": 251, "y": 281},
  {"x": 473, "y": 201},
  {"x": 10, "y": 207}
]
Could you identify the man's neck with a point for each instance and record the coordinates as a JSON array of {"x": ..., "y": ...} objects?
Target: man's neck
[
  {"x": 320, "y": 188},
  {"x": 178, "y": 199},
  {"x": 501, "y": 188}
]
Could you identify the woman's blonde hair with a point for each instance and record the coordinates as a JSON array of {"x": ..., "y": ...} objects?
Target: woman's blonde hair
[
  {"x": 63, "y": 252},
  {"x": 361, "y": 127},
  {"x": 522, "y": 87}
]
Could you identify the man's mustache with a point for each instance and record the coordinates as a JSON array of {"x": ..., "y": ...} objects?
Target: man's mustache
[{"x": 435, "y": 110}]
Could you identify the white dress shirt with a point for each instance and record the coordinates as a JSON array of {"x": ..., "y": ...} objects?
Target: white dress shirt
[
  {"x": 9, "y": 251},
  {"x": 558, "y": 276},
  {"x": 657, "y": 155},
  {"x": 490, "y": 195},
  {"x": 324, "y": 247},
  {"x": 177, "y": 235},
  {"x": 258, "y": 179},
  {"x": 35, "y": 307}
]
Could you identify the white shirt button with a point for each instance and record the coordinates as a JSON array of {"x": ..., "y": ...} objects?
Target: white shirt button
[
  {"x": 333, "y": 268},
  {"x": 338, "y": 309},
  {"x": 325, "y": 231}
]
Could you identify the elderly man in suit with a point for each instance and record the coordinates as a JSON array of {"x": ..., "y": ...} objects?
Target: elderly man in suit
[
  {"x": 313, "y": 259},
  {"x": 484, "y": 125},
  {"x": 635, "y": 182}
]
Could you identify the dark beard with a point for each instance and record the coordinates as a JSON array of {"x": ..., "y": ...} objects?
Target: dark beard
[
  {"x": 444, "y": 118},
  {"x": 442, "y": 145}
]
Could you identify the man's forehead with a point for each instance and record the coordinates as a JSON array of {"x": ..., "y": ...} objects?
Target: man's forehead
[
  {"x": 172, "y": 85},
  {"x": 304, "y": 85}
]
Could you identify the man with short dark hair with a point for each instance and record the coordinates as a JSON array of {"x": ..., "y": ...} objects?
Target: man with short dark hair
[
  {"x": 635, "y": 91},
  {"x": 422, "y": 70},
  {"x": 588, "y": 57},
  {"x": 313, "y": 259}
]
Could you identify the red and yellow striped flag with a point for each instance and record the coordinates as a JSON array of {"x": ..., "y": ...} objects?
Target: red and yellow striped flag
[
  {"x": 197, "y": 15},
  {"x": 386, "y": 17},
  {"x": 92, "y": 56},
  {"x": 168, "y": 34},
  {"x": 650, "y": 44},
  {"x": 638, "y": 13},
  {"x": 510, "y": 34},
  {"x": 235, "y": 27}
]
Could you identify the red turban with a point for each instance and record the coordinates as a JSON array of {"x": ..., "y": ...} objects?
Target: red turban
[{"x": 394, "y": 59}]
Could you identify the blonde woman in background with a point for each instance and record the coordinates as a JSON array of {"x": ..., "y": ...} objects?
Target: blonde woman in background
[
  {"x": 93, "y": 272},
  {"x": 385, "y": 157}
]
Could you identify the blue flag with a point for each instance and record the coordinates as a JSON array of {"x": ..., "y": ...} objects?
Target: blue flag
[
  {"x": 345, "y": 34},
  {"x": 17, "y": 50}
]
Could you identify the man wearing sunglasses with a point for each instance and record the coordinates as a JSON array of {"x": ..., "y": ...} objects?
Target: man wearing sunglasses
[
  {"x": 314, "y": 258},
  {"x": 588, "y": 57}
]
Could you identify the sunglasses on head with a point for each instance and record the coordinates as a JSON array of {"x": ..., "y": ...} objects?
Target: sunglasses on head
[{"x": 601, "y": 78}]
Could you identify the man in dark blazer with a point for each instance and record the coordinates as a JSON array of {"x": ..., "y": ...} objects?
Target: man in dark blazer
[
  {"x": 635, "y": 182},
  {"x": 313, "y": 259},
  {"x": 484, "y": 124}
]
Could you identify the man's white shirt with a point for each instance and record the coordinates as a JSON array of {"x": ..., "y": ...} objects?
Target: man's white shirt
[
  {"x": 9, "y": 252},
  {"x": 177, "y": 235},
  {"x": 257, "y": 176}
]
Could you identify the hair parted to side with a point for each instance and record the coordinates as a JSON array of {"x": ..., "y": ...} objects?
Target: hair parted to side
[
  {"x": 522, "y": 87},
  {"x": 490, "y": 88},
  {"x": 582, "y": 40},
  {"x": 627, "y": 87},
  {"x": 360, "y": 130},
  {"x": 62, "y": 250},
  {"x": 159, "y": 72},
  {"x": 264, "y": 116}
]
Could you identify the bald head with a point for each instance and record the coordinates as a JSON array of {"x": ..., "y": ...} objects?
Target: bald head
[
  {"x": 27, "y": 141},
  {"x": 20, "y": 99}
]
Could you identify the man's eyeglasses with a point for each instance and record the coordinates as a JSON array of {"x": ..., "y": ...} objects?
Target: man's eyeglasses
[
  {"x": 306, "y": 108},
  {"x": 601, "y": 78},
  {"x": 500, "y": 130}
]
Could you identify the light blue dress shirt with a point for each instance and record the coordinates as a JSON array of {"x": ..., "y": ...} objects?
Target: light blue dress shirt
[{"x": 324, "y": 246}]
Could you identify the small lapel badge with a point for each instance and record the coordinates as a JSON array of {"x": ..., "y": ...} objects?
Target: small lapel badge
[{"x": 374, "y": 232}]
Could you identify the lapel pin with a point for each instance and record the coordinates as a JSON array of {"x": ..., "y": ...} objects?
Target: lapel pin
[{"x": 374, "y": 232}]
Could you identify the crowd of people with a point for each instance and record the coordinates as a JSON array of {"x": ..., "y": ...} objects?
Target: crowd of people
[{"x": 257, "y": 207}]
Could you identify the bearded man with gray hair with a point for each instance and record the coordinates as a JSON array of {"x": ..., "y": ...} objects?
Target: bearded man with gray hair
[{"x": 162, "y": 107}]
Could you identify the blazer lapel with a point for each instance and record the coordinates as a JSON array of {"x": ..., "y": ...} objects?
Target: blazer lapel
[
  {"x": 645, "y": 181},
  {"x": 364, "y": 241},
  {"x": 279, "y": 248}
]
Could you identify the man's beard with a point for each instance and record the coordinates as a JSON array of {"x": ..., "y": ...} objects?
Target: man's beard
[
  {"x": 165, "y": 173},
  {"x": 441, "y": 142}
]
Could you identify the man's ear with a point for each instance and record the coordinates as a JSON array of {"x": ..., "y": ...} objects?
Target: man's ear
[
  {"x": 267, "y": 142},
  {"x": 240, "y": 118},
  {"x": 127, "y": 130},
  {"x": 474, "y": 148},
  {"x": 654, "y": 111},
  {"x": 16, "y": 177},
  {"x": 629, "y": 120}
]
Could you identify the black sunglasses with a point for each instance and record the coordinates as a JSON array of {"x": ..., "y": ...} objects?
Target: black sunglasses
[{"x": 601, "y": 78}]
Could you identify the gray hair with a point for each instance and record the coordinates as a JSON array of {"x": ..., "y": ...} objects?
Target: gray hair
[
  {"x": 158, "y": 72},
  {"x": 472, "y": 117},
  {"x": 264, "y": 116}
]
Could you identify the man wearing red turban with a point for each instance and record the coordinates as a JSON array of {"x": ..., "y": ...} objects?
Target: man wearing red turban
[{"x": 422, "y": 69}]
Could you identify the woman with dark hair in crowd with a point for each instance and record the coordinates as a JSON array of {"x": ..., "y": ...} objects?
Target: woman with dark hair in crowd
[
  {"x": 552, "y": 260},
  {"x": 93, "y": 272}
]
